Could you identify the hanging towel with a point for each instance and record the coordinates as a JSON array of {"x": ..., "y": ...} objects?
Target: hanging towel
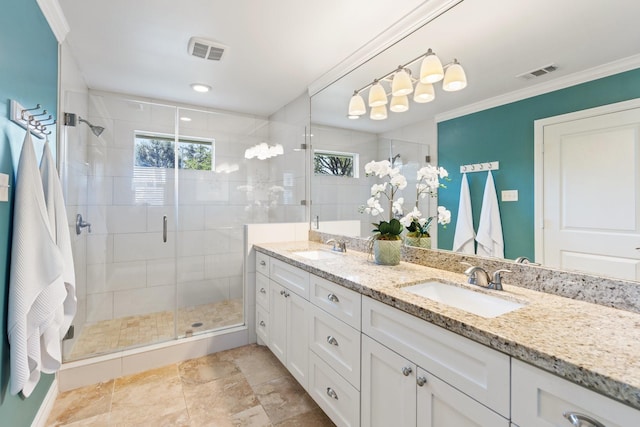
[
  {"x": 489, "y": 238},
  {"x": 36, "y": 284},
  {"x": 463, "y": 240},
  {"x": 57, "y": 213}
]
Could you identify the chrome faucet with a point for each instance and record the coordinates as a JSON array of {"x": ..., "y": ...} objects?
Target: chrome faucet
[
  {"x": 522, "y": 260},
  {"x": 477, "y": 276},
  {"x": 338, "y": 245}
]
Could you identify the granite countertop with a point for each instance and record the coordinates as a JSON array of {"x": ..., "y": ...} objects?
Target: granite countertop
[{"x": 589, "y": 344}]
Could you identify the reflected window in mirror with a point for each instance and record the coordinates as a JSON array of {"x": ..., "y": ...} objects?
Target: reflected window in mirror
[{"x": 333, "y": 163}]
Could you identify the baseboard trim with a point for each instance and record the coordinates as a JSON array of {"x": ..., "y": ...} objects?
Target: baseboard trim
[{"x": 46, "y": 407}]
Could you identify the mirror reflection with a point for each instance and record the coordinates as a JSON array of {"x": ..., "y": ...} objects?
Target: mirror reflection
[{"x": 516, "y": 75}]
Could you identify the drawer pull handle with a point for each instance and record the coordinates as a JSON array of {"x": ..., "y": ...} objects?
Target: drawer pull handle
[
  {"x": 262, "y": 323},
  {"x": 406, "y": 371},
  {"x": 332, "y": 393},
  {"x": 333, "y": 298},
  {"x": 577, "y": 420},
  {"x": 262, "y": 291},
  {"x": 262, "y": 263},
  {"x": 421, "y": 381},
  {"x": 331, "y": 340}
]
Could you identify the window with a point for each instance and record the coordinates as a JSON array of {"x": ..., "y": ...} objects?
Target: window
[
  {"x": 157, "y": 151},
  {"x": 335, "y": 163}
]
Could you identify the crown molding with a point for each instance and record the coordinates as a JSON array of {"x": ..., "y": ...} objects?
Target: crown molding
[
  {"x": 55, "y": 17},
  {"x": 605, "y": 70},
  {"x": 417, "y": 18}
]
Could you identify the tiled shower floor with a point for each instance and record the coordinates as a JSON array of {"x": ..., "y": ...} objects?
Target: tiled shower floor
[{"x": 108, "y": 336}]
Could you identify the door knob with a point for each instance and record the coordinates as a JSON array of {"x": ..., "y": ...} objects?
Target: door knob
[
  {"x": 406, "y": 371},
  {"x": 421, "y": 381}
]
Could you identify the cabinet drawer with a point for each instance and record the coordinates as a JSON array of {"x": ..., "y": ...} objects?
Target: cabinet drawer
[
  {"x": 540, "y": 399},
  {"x": 262, "y": 263},
  {"x": 479, "y": 371},
  {"x": 262, "y": 324},
  {"x": 336, "y": 343},
  {"x": 337, "y": 398},
  {"x": 341, "y": 302},
  {"x": 262, "y": 291},
  {"x": 293, "y": 278}
]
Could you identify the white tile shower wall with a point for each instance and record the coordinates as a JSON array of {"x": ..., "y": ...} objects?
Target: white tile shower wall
[{"x": 131, "y": 269}]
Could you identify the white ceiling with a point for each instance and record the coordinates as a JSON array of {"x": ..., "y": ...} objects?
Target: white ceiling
[{"x": 278, "y": 48}]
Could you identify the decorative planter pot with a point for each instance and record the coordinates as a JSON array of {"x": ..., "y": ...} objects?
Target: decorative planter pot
[
  {"x": 418, "y": 242},
  {"x": 387, "y": 252}
]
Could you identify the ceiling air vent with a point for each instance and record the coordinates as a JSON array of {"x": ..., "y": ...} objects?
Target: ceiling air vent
[
  {"x": 538, "y": 72},
  {"x": 206, "y": 49}
]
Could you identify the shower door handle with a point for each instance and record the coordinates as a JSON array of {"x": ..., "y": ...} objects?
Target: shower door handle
[{"x": 164, "y": 229}]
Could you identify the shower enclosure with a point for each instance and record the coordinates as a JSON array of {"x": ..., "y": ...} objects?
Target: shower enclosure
[{"x": 166, "y": 190}]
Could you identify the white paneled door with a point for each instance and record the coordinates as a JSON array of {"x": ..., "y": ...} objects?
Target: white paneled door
[{"x": 591, "y": 194}]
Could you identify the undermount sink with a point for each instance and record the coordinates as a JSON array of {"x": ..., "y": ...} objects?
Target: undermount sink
[
  {"x": 465, "y": 299},
  {"x": 316, "y": 255}
]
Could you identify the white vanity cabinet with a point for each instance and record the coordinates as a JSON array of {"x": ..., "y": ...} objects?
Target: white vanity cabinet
[
  {"x": 334, "y": 344},
  {"x": 417, "y": 374},
  {"x": 541, "y": 399},
  {"x": 283, "y": 324}
]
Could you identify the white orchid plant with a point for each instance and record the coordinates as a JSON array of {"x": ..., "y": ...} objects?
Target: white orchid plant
[
  {"x": 428, "y": 184},
  {"x": 386, "y": 230}
]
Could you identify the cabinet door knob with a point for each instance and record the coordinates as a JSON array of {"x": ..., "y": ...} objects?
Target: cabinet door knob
[
  {"x": 262, "y": 291},
  {"x": 282, "y": 292},
  {"x": 331, "y": 340},
  {"x": 333, "y": 298},
  {"x": 332, "y": 393},
  {"x": 262, "y": 263},
  {"x": 286, "y": 294},
  {"x": 262, "y": 323},
  {"x": 421, "y": 381},
  {"x": 406, "y": 371},
  {"x": 577, "y": 420}
]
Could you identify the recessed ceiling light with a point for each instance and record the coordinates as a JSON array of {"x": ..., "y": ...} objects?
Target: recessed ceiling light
[
  {"x": 185, "y": 119},
  {"x": 199, "y": 87}
]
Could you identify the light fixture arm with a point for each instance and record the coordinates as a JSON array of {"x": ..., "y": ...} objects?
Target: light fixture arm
[{"x": 400, "y": 67}]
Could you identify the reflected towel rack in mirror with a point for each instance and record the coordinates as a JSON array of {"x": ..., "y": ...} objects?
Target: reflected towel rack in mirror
[{"x": 480, "y": 167}]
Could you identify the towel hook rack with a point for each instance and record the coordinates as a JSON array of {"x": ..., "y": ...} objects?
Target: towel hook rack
[
  {"x": 29, "y": 119},
  {"x": 479, "y": 167}
]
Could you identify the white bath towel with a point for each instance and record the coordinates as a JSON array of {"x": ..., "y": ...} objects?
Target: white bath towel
[
  {"x": 463, "y": 240},
  {"x": 57, "y": 213},
  {"x": 36, "y": 285},
  {"x": 489, "y": 238}
]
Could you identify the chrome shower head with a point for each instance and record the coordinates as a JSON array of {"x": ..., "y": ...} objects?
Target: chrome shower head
[{"x": 97, "y": 130}]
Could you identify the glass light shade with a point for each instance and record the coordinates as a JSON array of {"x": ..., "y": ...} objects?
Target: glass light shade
[
  {"x": 401, "y": 84},
  {"x": 356, "y": 105},
  {"x": 378, "y": 113},
  {"x": 399, "y": 104},
  {"x": 377, "y": 95},
  {"x": 424, "y": 93},
  {"x": 455, "y": 78},
  {"x": 431, "y": 70}
]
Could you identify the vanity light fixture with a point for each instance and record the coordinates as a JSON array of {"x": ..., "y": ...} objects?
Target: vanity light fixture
[
  {"x": 402, "y": 83},
  {"x": 200, "y": 87}
]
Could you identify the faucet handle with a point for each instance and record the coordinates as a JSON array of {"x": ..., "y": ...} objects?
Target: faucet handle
[{"x": 496, "y": 283}]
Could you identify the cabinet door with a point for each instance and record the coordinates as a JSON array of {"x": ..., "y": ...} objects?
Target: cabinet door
[
  {"x": 278, "y": 321},
  {"x": 441, "y": 405},
  {"x": 297, "y": 349},
  {"x": 388, "y": 393},
  {"x": 540, "y": 399}
]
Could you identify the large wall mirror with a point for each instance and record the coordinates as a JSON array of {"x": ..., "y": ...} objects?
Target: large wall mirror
[{"x": 524, "y": 61}]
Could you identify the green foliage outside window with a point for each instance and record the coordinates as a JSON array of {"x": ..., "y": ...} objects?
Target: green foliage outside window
[{"x": 158, "y": 152}]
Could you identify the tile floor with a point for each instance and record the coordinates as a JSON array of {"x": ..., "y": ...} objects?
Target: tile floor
[
  {"x": 245, "y": 386},
  {"x": 108, "y": 336}
]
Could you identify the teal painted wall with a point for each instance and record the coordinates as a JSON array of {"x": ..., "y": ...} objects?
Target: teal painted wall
[
  {"x": 28, "y": 74},
  {"x": 505, "y": 134}
]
